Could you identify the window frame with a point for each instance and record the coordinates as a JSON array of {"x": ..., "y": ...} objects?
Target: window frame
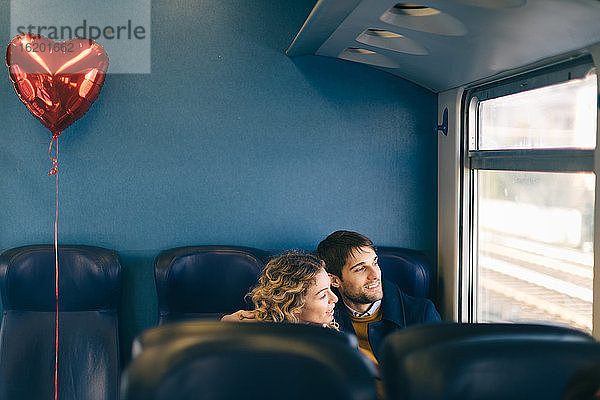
[{"x": 530, "y": 160}]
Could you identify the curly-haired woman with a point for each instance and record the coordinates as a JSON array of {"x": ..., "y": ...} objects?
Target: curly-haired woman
[{"x": 292, "y": 288}]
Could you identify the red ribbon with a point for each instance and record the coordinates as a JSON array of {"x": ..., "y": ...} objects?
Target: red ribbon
[{"x": 54, "y": 171}]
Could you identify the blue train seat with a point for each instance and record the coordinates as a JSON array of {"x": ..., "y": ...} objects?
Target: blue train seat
[
  {"x": 89, "y": 294},
  {"x": 484, "y": 361},
  {"x": 230, "y": 361},
  {"x": 205, "y": 281},
  {"x": 409, "y": 269}
]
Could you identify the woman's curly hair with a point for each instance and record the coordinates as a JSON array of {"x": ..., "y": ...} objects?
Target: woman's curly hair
[{"x": 282, "y": 287}]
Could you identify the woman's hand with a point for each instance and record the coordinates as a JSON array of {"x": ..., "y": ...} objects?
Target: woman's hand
[{"x": 240, "y": 315}]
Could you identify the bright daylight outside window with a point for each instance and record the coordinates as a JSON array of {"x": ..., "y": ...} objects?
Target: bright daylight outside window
[{"x": 532, "y": 191}]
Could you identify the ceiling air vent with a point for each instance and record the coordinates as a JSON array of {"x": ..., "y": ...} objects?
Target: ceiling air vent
[
  {"x": 367, "y": 57},
  {"x": 423, "y": 18},
  {"x": 414, "y": 10},
  {"x": 391, "y": 41}
]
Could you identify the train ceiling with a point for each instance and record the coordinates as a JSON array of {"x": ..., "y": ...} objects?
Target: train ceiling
[{"x": 443, "y": 44}]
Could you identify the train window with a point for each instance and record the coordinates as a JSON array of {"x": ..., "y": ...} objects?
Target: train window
[
  {"x": 529, "y": 197},
  {"x": 557, "y": 116}
]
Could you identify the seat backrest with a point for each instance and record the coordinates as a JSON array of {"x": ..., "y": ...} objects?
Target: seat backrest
[
  {"x": 484, "y": 361},
  {"x": 206, "y": 330},
  {"x": 409, "y": 269},
  {"x": 89, "y": 294},
  {"x": 227, "y": 361},
  {"x": 205, "y": 281}
]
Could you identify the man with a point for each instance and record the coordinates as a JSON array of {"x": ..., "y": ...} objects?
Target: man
[{"x": 371, "y": 308}]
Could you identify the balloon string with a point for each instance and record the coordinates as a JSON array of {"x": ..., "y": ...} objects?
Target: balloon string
[{"x": 54, "y": 171}]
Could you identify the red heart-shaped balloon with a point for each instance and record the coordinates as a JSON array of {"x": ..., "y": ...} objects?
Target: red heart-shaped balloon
[{"x": 57, "y": 81}]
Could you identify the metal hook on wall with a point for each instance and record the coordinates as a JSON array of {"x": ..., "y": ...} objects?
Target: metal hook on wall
[{"x": 444, "y": 126}]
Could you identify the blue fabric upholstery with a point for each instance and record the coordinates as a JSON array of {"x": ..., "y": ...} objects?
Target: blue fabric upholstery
[
  {"x": 408, "y": 269},
  {"x": 89, "y": 294},
  {"x": 205, "y": 281},
  {"x": 484, "y": 361},
  {"x": 231, "y": 361},
  {"x": 206, "y": 330}
]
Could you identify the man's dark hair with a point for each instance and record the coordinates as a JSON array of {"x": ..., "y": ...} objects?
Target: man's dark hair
[{"x": 337, "y": 247}]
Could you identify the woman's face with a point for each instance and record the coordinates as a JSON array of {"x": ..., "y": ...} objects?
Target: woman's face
[{"x": 320, "y": 301}]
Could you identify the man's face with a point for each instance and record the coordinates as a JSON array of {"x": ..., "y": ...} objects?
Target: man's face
[{"x": 360, "y": 282}]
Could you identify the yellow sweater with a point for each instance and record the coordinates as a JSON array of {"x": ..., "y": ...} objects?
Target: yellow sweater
[{"x": 361, "y": 328}]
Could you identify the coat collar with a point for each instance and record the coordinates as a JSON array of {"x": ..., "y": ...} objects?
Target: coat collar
[{"x": 393, "y": 304}]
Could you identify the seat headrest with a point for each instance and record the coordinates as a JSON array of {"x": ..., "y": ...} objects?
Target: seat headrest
[
  {"x": 89, "y": 278},
  {"x": 228, "y": 361},
  {"x": 506, "y": 369},
  {"x": 205, "y": 281},
  {"x": 413, "y": 337},
  {"x": 207, "y": 330},
  {"x": 484, "y": 361},
  {"x": 408, "y": 269}
]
